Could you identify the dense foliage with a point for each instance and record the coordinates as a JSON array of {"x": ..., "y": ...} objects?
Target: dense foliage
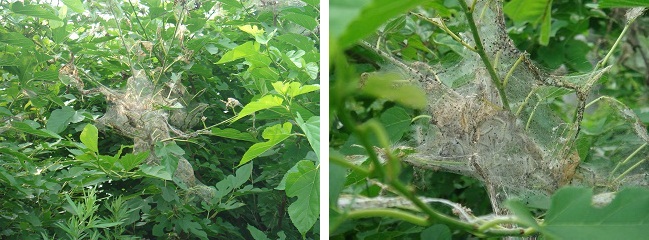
[
  {"x": 393, "y": 62},
  {"x": 227, "y": 140}
]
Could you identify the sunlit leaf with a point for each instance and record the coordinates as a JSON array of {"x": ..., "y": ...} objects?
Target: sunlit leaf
[
  {"x": 39, "y": 11},
  {"x": 233, "y": 134},
  {"x": 266, "y": 102},
  {"x": 75, "y": 5},
  {"x": 274, "y": 134},
  {"x": 239, "y": 52},
  {"x": 16, "y": 39},
  {"x": 89, "y": 137}
]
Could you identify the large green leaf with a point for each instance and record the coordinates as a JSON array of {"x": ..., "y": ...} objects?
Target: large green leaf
[
  {"x": 311, "y": 129},
  {"x": 304, "y": 183},
  {"x": 22, "y": 126},
  {"x": 397, "y": 122},
  {"x": 367, "y": 20},
  {"x": 16, "y": 39},
  {"x": 89, "y": 137},
  {"x": 303, "y": 20},
  {"x": 532, "y": 11},
  {"x": 233, "y": 134},
  {"x": 75, "y": 5},
  {"x": 266, "y": 102},
  {"x": 274, "y": 134},
  {"x": 39, "y": 11},
  {"x": 60, "y": 119},
  {"x": 572, "y": 215}
]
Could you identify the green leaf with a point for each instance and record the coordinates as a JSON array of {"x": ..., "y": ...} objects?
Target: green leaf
[
  {"x": 60, "y": 119},
  {"x": 16, "y": 39},
  {"x": 233, "y": 134},
  {"x": 622, "y": 3},
  {"x": 89, "y": 137},
  {"x": 397, "y": 122},
  {"x": 437, "y": 231},
  {"x": 385, "y": 86},
  {"x": 39, "y": 11},
  {"x": 130, "y": 161},
  {"x": 75, "y": 5},
  {"x": 311, "y": 129},
  {"x": 156, "y": 171},
  {"x": 169, "y": 154},
  {"x": 274, "y": 134},
  {"x": 532, "y": 11},
  {"x": 303, "y": 20},
  {"x": 361, "y": 18},
  {"x": 231, "y": 182},
  {"x": 572, "y": 215},
  {"x": 305, "y": 185},
  {"x": 546, "y": 25},
  {"x": 294, "y": 89},
  {"x": 242, "y": 51},
  {"x": 256, "y": 233},
  {"x": 22, "y": 126},
  {"x": 521, "y": 212},
  {"x": 265, "y": 102}
]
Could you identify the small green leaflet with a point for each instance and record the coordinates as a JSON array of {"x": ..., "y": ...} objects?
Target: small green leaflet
[
  {"x": 89, "y": 137},
  {"x": 311, "y": 129},
  {"x": 233, "y": 134},
  {"x": 303, "y": 182},
  {"x": 274, "y": 134},
  {"x": 265, "y": 102}
]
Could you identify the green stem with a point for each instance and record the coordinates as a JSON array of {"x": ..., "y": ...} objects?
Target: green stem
[
  {"x": 342, "y": 162},
  {"x": 483, "y": 55},
  {"x": 391, "y": 213}
]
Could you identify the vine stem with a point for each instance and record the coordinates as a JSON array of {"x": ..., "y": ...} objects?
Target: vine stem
[{"x": 483, "y": 55}]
